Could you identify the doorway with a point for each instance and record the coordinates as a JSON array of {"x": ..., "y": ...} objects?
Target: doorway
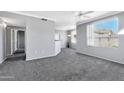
[
  {"x": 15, "y": 43},
  {"x": 20, "y": 41},
  {"x": 71, "y": 39}
]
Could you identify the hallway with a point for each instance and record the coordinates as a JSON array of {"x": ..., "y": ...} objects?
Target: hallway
[
  {"x": 18, "y": 55},
  {"x": 66, "y": 66}
]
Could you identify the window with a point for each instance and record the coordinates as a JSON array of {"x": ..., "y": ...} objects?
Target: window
[
  {"x": 103, "y": 33},
  {"x": 73, "y": 36}
]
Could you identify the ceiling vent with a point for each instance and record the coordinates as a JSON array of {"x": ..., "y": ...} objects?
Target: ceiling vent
[{"x": 44, "y": 19}]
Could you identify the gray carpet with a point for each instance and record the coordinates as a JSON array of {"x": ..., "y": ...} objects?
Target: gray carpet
[{"x": 67, "y": 66}]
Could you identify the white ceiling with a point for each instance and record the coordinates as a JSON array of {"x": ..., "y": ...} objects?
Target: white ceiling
[
  {"x": 13, "y": 21},
  {"x": 64, "y": 20}
]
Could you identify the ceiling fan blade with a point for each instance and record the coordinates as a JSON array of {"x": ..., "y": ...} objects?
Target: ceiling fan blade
[
  {"x": 85, "y": 13},
  {"x": 86, "y": 16}
]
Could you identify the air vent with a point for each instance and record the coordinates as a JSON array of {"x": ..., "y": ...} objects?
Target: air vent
[{"x": 43, "y": 19}]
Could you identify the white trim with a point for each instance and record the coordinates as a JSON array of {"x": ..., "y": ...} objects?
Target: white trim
[
  {"x": 99, "y": 57},
  {"x": 3, "y": 60}
]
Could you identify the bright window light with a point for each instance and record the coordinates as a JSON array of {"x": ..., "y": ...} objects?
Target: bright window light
[
  {"x": 121, "y": 32},
  {"x": 103, "y": 33},
  {"x": 73, "y": 36},
  {"x": 4, "y": 24}
]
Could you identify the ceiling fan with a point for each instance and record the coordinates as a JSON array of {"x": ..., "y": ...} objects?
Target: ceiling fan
[{"x": 84, "y": 14}]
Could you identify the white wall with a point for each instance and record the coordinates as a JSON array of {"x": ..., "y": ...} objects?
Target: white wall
[
  {"x": 113, "y": 54},
  {"x": 57, "y": 42},
  {"x": 63, "y": 38},
  {"x": 57, "y": 35},
  {"x": 57, "y": 47},
  {"x": 39, "y": 39},
  {"x": 2, "y": 42}
]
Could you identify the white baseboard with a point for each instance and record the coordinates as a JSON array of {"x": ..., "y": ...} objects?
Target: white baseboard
[
  {"x": 100, "y": 57},
  {"x": 2, "y": 60}
]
